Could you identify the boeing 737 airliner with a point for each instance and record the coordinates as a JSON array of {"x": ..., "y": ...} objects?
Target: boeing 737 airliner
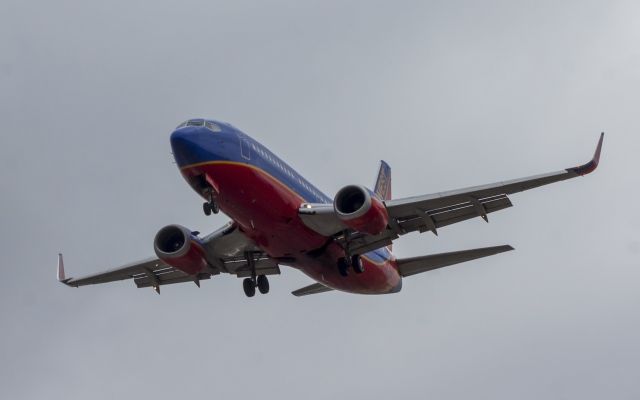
[{"x": 278, "y": 218}]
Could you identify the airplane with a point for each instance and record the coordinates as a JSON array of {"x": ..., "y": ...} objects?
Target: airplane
[{"x": 278, "y": 218}]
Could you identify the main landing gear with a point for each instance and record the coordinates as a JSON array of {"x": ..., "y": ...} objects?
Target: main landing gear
[
  {"x": 210, "y": 206},
  {"x": 249, "y": 285},
  {"x": 261, "y": 282},
  {"x": 354, "y": 262}
]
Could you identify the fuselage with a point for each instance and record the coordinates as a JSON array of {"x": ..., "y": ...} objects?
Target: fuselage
[{"x": 263, "y": 194}]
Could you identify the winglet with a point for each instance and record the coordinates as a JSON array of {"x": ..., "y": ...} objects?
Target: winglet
[
  {"x": 61, "y": 276},
  {"x": 593, "y": 164}
]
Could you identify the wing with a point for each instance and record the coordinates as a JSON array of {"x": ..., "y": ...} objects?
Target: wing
[
  {"x": 433, "y": 211},
  {"x": 226, "y": 251}
]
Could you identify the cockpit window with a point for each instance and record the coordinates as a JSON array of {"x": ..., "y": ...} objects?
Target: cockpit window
[
  {"x": 212, "y": 127},
  {"x": 195, "y": 122}
]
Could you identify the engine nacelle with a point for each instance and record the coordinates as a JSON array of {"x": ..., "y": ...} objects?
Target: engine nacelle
[
  {"x": 361, "y": 210},
  {"x": 178, "y": 247}
]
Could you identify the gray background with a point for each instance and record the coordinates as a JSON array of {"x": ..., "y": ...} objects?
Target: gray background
[{"x": 451, "y": 94}]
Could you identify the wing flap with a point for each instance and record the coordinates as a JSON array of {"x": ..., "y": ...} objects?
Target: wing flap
[
  {"x": 428, "y": 221},
  {"x": 416, "y": 265},
  {"x": 437, "y": 218},
  {"x": 263, "y": 265},
  {"x": 167, "y": 279}
]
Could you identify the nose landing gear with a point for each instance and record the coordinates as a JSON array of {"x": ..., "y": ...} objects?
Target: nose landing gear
[{"x": 210, "y": 206}]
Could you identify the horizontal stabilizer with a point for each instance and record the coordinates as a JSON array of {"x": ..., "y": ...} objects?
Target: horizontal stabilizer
[
  {"x": 416, "y": 265},
  {"x": 311, "y": 289}
]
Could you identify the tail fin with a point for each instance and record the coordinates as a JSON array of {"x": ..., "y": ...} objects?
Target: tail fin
[{"x": 383, "y": 182}]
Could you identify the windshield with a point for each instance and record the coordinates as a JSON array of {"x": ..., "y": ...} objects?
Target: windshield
[
  {"x": 212, "y": 126},
  {"x": 195, "y": 122}
]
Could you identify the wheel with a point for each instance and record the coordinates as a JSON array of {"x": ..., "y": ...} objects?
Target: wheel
[
  {"x": 214, "y": 207},
  {"x": 343, "y": 266},
  {"x": 206, "y": 207},
  {"x": 249, "y": 287},
  {"x": 357, "y": 264},
  {"x": 263, "y": 284}
]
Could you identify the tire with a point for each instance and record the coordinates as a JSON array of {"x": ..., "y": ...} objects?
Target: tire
[
  {"x": 206, "y": 207},
  {"x": 263, "y": 284},
  {"x": 249, "y": 287},
  {"x": 357, "y": 264},
  {"x": 215, "y": 208},
  {"x": 343, "y": 267}
]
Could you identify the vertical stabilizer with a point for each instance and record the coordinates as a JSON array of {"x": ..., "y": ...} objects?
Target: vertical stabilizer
[{"x": 383, "y": 182}]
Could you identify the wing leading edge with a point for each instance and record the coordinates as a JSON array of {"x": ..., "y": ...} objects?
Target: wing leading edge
[{"x": 402, "y": 207}]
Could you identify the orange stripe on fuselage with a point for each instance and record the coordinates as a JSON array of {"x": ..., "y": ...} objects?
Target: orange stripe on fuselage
[{"x": 250, "y": 166}]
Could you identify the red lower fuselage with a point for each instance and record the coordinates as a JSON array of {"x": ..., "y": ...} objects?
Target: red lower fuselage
[{"x": 267, "y": 212}]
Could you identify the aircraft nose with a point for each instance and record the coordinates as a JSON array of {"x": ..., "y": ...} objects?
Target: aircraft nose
[{"x": 184, "y": 143}]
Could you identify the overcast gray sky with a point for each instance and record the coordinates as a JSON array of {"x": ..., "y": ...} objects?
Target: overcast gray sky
[{"x": 450, "y": 93}]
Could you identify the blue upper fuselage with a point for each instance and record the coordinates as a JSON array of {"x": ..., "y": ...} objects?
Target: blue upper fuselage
[{"x": 200, "y": 141}]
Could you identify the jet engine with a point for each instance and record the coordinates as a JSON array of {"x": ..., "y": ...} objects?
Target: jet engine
[
  {"x": 178, "y": 247},
  {"x": 361, "y": 210}
]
